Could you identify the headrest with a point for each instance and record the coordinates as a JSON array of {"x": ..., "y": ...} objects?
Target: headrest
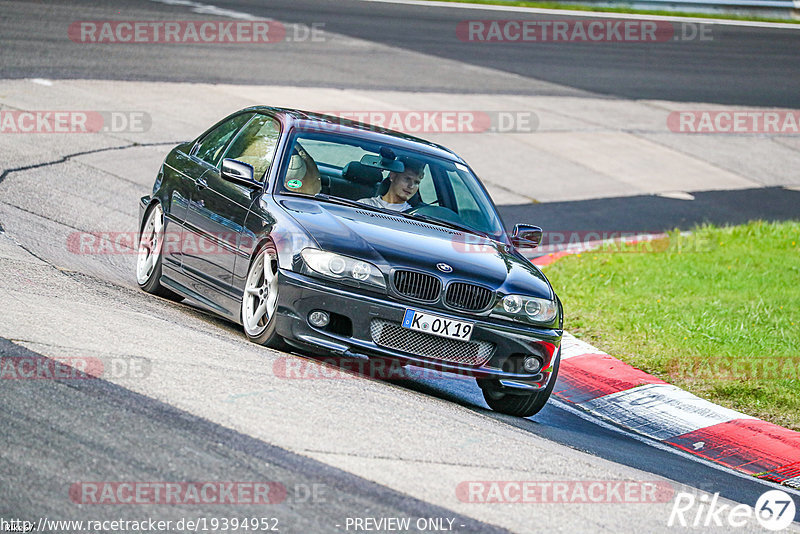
[
  {"x": 412, "y": 164},
  {"x": 361, "y": 174}
]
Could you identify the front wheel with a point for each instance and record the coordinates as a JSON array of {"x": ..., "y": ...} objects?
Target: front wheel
[
  {"x": 260, "y": 299},
  {"x": 524, "y": 405},
  {"x": 148, "y": 262}
]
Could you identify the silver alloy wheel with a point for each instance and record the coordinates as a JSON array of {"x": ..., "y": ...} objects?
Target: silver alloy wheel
[
  {"x": 260, "y": 298},
  {"x": 150, "y": 244}
]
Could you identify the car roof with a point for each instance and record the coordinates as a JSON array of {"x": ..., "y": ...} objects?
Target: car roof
[{"x": 319, "y": 121}]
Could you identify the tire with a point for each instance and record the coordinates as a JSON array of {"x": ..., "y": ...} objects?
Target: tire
[
  {"x": 524, "y": 405},
  {"x": 148, "y": 262},
  {"x": 260, "y": 299}
]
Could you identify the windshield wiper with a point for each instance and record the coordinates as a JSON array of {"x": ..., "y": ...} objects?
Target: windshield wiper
[
  {"x": 355, "y": 204},
  {"x": 449, "y": 224},
  {"x": 427, "y": 218},
  {"x": 340, "y": 200}
]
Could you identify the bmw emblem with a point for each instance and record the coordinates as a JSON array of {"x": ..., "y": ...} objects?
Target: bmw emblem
[{"x": 444, "y": 267}]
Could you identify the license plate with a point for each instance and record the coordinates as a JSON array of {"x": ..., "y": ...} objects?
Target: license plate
[{"x": 436, "y": 325}]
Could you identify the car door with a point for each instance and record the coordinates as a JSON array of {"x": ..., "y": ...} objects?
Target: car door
[
  {"x": 178, "y": 174},
  {"x": 204, "y": 156},
  {"x": 219, "y": 207}
]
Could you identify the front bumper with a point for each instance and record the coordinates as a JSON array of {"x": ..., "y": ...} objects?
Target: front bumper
[{"x": 352, "y": 336}]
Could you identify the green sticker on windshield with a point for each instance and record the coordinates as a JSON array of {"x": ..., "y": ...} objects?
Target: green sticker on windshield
[{"x": 294, "y": 184}]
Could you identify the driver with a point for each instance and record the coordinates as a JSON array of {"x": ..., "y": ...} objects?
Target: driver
[{"x": 402, "y": 186}]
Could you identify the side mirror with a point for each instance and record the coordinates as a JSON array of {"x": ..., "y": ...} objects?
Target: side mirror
[
  {"x": 239, "y": 172},
  {"x": 526, "y": 235}
]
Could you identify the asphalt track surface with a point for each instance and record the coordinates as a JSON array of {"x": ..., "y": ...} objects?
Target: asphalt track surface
[
  {"x": 150, "y": 440},
  {"x": 742, "y": 66},
  {"x": 739, "y": 65}
]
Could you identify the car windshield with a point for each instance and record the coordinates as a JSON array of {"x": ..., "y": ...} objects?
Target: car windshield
[{"x": 334, "y": 168}]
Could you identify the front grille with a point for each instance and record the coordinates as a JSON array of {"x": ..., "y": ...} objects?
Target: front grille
[
  {"x": 393, "y": 336},
  {"x": 418, "y": 286},
  {"x": 467, "y": 296}
]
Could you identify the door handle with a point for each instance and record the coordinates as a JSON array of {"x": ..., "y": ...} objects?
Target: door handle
[{"x": 201, "y": 184}]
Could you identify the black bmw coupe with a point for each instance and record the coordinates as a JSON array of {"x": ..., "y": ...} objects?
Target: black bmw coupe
[{"x": 341, "y": 238}]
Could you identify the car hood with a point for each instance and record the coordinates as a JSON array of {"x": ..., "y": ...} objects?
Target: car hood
[{"x": 396, "y": 242}]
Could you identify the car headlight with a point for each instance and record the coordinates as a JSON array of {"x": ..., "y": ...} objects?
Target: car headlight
[
  {"x": 526, "y": 309},
  {"x": 343, "y": 268}
]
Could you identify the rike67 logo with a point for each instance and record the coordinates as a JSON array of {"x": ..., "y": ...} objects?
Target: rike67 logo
[{"x": 774, "y": 510}]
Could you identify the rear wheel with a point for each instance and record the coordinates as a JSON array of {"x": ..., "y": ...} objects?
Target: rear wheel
[
  {"x": 148, "y": 263},
  {"x": 520, "y": 405},
  {"x": 260, "y": 299}
]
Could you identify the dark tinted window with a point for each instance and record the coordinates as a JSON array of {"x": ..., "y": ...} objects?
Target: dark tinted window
[{"x": 210, "y": 148}]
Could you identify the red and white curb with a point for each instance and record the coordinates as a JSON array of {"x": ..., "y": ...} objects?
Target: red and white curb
[{"x": 612, "y": 390}]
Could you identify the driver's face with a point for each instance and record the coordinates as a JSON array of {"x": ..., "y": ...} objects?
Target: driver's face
[{"x": 404, "y": 184}]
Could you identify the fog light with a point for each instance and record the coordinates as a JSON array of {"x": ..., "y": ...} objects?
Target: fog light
[
  {"x": 532, "y": 364},
  {"x": 319, "y": 318}
]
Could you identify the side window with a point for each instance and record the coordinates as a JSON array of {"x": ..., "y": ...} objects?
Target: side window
[
  {"x": 468, "y": 208},
  {"x": 427, "y": 191},
  {"x": 210, "y": 148},
  {"x": 256, "y": 144}
]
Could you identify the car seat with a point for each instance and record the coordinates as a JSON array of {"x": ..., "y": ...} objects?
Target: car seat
[{"x": 358, "y": 181}]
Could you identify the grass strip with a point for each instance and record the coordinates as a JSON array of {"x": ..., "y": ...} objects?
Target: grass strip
[{"x": 716, "y": 313}]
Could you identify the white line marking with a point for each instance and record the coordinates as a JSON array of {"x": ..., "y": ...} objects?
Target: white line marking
[
  {"x": 591, "y": 14},
  {"x": 207, "y": 9},
  {"x": 677, "y": 195},
  {"x": 663, "y": 447},
  {"x": 572, "y": 346},
  {"x": 660, "y": 411},
  {"x": 42, "y": 81}
]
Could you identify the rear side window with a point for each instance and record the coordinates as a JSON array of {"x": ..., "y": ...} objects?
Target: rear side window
[{"x": 210, "y": 147}]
